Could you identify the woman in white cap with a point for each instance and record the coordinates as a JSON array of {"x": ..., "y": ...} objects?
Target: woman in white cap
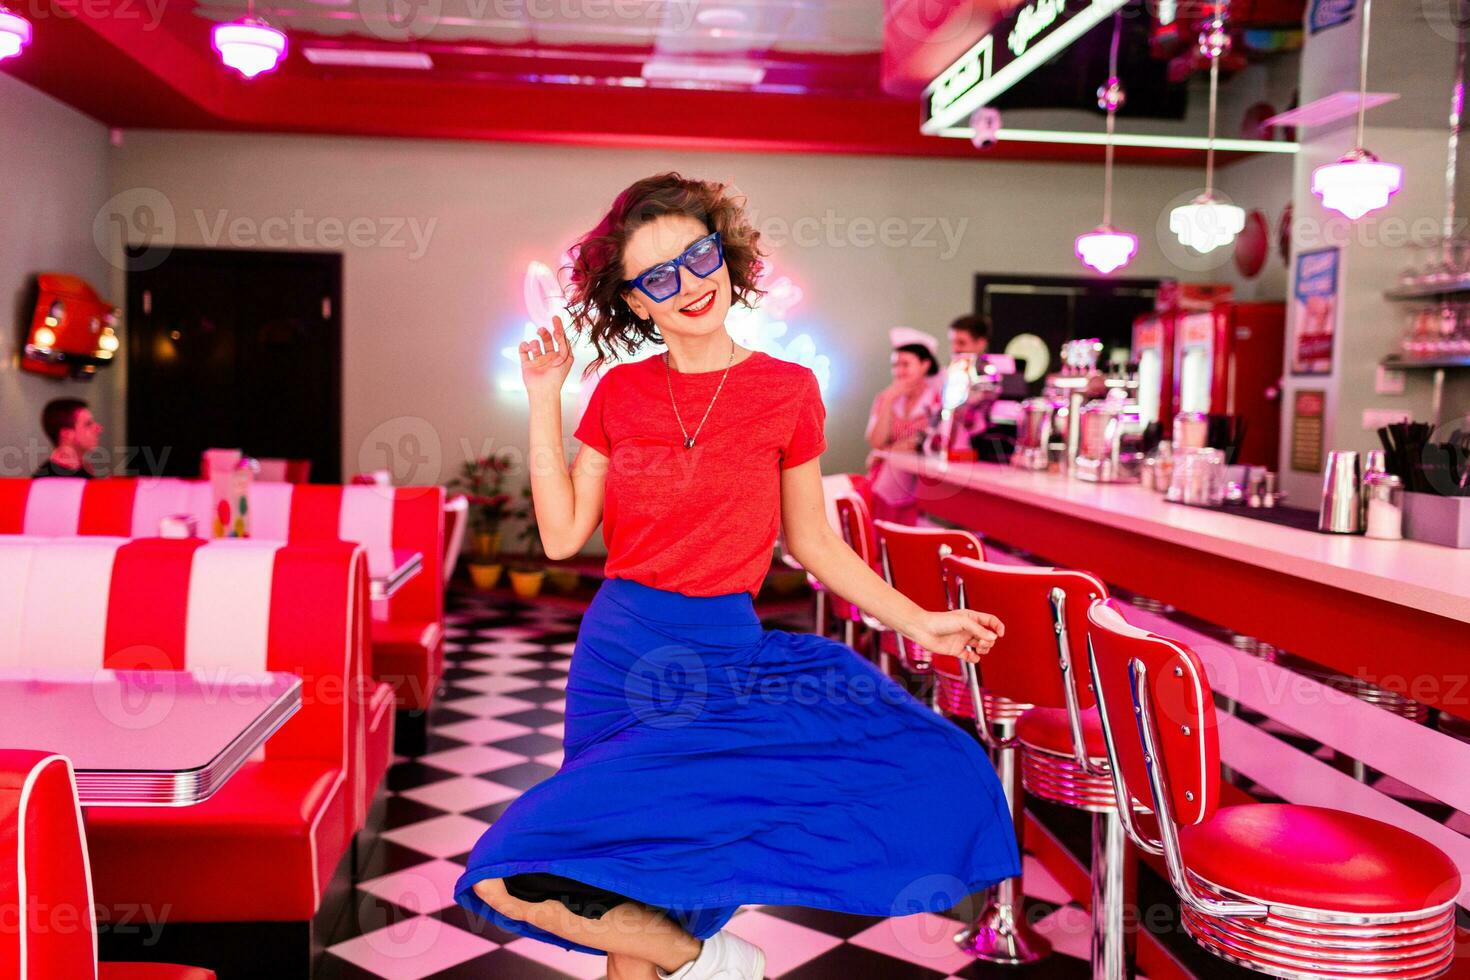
[{"x": 901, "y": 415}]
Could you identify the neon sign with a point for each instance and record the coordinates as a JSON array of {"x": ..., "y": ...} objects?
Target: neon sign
[
  {"x": 1031, "y": 22},
  {"x": 1013, "y": 49}
]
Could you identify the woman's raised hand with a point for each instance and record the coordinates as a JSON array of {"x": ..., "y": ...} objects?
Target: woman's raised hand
[
  {"x": 546, "y": 361},
  {"x": 965, "y": 633}
]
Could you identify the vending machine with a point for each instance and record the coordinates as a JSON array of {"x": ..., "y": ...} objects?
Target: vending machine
[
  {"x": 1154, "y": 336},
  {"x": 1153, "y": 350},
  {"x": 1228, "y": 361}
]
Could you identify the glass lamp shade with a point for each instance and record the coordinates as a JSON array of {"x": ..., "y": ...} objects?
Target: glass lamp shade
[
  {"x": 251, "y": 47},
  {"x": 1106, "y": 249},
  {"x": 1205, "y": 224},
  {"x": 1357, "y": 184},
  {"x": 15, "y": 34}
]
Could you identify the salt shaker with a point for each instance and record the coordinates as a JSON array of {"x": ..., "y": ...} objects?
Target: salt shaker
[{"x": 1384, "y": 502}]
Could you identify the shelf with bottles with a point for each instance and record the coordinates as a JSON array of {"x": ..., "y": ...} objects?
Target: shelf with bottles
[
  {"x": 1399, "y": 362},
  {"x": 1436, "y": 335},
  {"x": 1439, "y": 269},
  {"x": 1430, "y": 288}
]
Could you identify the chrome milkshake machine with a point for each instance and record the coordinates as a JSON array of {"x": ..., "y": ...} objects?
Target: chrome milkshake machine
[{"x": 1086, "y": 422}]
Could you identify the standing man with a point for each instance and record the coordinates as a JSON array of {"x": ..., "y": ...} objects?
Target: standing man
[
  {"x": 970, "y": 334},
  {"x": 73, "y": 433}
]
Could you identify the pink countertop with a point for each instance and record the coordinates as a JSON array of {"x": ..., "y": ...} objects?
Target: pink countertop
[{"x": 1426, "y": 577}]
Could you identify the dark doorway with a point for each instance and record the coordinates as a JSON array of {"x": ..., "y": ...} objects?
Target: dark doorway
[
  {"x": 1056, "y": 309},
  {"x": 239, "y": 350}
]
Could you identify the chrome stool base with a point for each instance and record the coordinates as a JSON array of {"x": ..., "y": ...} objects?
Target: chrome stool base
[
  {"x": 1059, "y": 779},
  {"x": 1000, "y": 936},
  {"x": 1113, "y": 889}
]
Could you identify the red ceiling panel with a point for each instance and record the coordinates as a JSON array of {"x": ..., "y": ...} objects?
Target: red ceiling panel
[{"x": 129, "y": 72}]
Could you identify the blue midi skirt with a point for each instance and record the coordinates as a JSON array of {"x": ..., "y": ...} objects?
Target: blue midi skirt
[{"x": 710, "y": 763}]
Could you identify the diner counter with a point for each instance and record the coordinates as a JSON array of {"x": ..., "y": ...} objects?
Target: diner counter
[
  {"x": 1392, "y": 613},
  {"x": 1426, "y": 577}
]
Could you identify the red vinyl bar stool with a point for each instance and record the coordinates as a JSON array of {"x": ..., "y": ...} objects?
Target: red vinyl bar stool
[
  {"x": 48, "y": 930},
  {"x": 856, "y": 525},
  {"x": 834, "y": 487},
  {"x": 1042, "y": 661},
  {"x": 1301, "y": 892},
  {"x": 909, "y": 560}
]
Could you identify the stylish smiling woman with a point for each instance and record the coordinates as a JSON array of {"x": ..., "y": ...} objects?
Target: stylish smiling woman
[{"x": 711, "y": 763}]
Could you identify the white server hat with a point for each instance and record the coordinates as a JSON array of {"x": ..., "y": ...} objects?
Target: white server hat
[{"x": 904, "y": 336}]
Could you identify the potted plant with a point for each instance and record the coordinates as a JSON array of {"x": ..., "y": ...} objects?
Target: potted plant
[
  {"x": 482, "y": 480},
  {"x": 527, "y": 574},
  {"x": 563, "y": 579}
]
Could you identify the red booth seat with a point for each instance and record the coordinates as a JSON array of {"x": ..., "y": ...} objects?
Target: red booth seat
[
  {"x": 49, "y": 931},
  {"x": 408, "y": 629},
  {"x": 381, "y": 519},
  {"x": 265, "y": 845}
]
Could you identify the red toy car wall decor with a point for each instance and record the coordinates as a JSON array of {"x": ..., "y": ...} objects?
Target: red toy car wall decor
[{"x": 72, "y": 331}]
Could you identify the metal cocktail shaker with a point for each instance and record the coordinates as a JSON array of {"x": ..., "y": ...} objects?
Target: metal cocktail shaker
[{"x": 1342, "y": 494}]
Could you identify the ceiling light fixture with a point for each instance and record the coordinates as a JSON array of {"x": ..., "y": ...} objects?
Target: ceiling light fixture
[
  {"x": 1359, "y": 182},
  {"x": 1205, "y": 224},
  {"x": 696, "y": 73},
  {"x": 250, "y": 45},
  {"x": 1105, "y": 248},
  {"x": 15, "y": 33},
  {"x": 369, "y": 58}
]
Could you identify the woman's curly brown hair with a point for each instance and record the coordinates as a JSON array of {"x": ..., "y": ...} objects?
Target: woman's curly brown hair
[{"x": 597, "y": 281}]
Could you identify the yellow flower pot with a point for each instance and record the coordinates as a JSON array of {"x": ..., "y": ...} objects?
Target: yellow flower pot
[
  {"x": 563, "y": 580},
  {"x": 485, "y": 576},
  {"x": 527, "y": 585}
]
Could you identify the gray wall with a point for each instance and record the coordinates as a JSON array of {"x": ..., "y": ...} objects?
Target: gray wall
[
  {"x": 426, "y": 320},
  {"x": 53, "y": 166}
]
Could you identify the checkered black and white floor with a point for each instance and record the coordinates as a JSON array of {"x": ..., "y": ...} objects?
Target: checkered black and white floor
[{"x": 496, "y": 731}]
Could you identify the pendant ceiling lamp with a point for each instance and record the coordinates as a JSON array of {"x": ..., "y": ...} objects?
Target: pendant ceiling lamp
[
  {"x": 1205, "y": 224},
  {"x": 250, "y": 45},
  {"x": 15, "y": 33},
  {"x": 1359, "y": 182},
  {"x": 1105, "y": 248}
]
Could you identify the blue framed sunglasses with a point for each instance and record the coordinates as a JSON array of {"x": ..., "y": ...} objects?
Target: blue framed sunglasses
[{"x": 662, "y": 281}]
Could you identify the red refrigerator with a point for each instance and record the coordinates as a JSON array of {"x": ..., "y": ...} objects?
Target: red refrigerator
[{"x": 1228, "y": 361}]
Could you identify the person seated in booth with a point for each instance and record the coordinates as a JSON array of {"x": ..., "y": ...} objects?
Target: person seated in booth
[
  {"x": 73, "y": 433},
  {"x": 900, "y": 419}
]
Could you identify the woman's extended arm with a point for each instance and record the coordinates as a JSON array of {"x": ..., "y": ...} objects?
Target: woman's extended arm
[
  {"x": 568, "y": 503},
  {"x": 965, "y": 633}
]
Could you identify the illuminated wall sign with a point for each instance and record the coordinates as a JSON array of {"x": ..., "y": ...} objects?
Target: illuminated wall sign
[{"x": 1013, "y": 49}]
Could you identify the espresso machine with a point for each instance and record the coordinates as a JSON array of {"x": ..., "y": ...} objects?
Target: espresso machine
[{"x": 1086, "y": 421}]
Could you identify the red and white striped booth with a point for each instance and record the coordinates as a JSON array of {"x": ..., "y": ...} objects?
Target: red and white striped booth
[
  {"x": 50, "y": 927},
  {"x": 265, "y": 847},
  {"x": 407, "y": 630}
]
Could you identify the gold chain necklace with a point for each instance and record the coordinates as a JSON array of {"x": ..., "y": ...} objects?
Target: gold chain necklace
[{"x": 669, "y": 377}]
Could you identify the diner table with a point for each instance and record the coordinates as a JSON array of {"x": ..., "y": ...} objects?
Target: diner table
[
  {"x": 388, "y": 572},
  {"x": 146, "y": 737}
]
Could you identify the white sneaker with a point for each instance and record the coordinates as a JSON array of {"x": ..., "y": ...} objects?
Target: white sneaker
[{"x": 724, "y": 956}]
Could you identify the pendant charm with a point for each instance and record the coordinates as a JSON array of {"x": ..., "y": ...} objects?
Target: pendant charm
[{"x": 689, "y": 442}]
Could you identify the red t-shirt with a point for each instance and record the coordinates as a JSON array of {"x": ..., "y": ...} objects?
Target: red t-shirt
[{"x": 701, "y": 521}]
